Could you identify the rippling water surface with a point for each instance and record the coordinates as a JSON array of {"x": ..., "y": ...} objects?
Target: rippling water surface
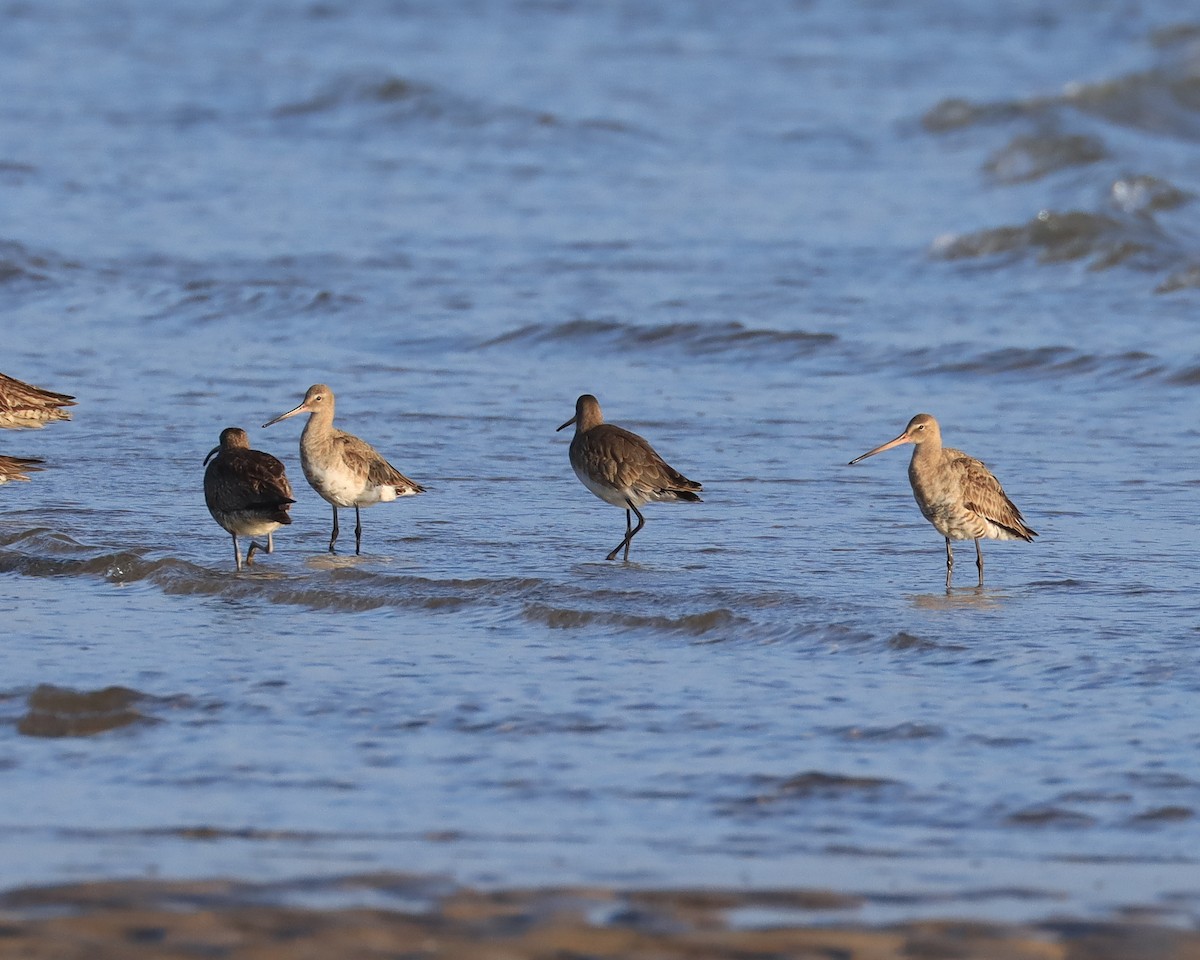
[{"x": 762, "y": 241}]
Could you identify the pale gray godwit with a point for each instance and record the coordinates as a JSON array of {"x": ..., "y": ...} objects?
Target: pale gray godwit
[
  {"x": 956, "y": 493},
  {"x": 344, "y": 470},
  {"x": 24, "y": 406},
  {"x": 247, "y": 492},
  {"x": 621, "y": 468},
  {"x": 14, "y": 468}
]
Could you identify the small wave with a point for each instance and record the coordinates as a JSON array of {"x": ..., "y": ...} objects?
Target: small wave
[
  {"x": 955, "y": 113},
  {"x": 1049, "y": 361},
  {"x": 1033, "y": 157},
  {"x": 54, "y": 711},
  {"x": 1164, "y": 781},
  {"x": 909, "y": 641},
  {"x": 694, "y": 624},
  {"x": 1169, "y": 814},
  {"x": 402, "y": 101},
  {"x": 20, "y": 267},
  {"x": 814, "y": 782},
  {"x": 374, "y": 90},
  {"x": 1185, "y": 278},
  {"x": 211, "y": 300},
  {"x": 535, "y": 724},
  {"x": 771, "y": 791},
  {"x": 694, "y": 338},
  {"x": 1057, "y": 237},
  {"x": 1160, "y": 100},
  {"x": 1049, "y": 816},
  {"x": 901, "y": 731}
]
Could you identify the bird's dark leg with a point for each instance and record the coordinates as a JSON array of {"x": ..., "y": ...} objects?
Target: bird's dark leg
[
  {"x": 979, "y": 560},
  {"x": 949, "y": 562},
  {"x": 237, "y": 554},
  {"x": 629, "y": 533},
  {"x": 633, "y": 533},
  {"x": 624, "y": 543},
  {"x": 255, "y": 545},
  {"x": 357, "y": 532},
  {"x": 333, "y": 539}
]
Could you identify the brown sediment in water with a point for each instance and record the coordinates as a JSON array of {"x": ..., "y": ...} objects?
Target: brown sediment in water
[{"x": 132, "y": 920}]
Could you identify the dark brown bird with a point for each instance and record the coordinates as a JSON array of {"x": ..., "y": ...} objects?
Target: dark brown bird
[
  {"x": 956, "y": 493},
  {"x": 14, "y": 468},
  {"x": 344, "y": 470},
  {"x": 247, "y": 492},
  {"x": 621, "y": 468},
  {"x": 24, "y": 406}
]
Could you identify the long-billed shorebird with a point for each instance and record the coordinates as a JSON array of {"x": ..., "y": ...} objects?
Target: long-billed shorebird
[
  {"x": 24, "y": 406},
  {"x": 956, "y": 493},
  {"x": 621, "y": 468},
  {"x": 344, "y": 470},
  {"x": 15, "y": 468},
  {"x": 247, "y": 492}
]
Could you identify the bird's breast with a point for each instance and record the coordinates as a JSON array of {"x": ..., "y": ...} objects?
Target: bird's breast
[{"x": 334, "y": 482}]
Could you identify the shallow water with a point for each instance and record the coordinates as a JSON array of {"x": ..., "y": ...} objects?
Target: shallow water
[{"x": 764, "y": 242}]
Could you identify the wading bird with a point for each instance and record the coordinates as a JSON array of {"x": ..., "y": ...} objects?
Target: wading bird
[
  {"x": 247, "y": 492},
  {"x": 344, "y": 470},
  {"x": 956, "y": 493},
  {"x": 621, "y": 468}
]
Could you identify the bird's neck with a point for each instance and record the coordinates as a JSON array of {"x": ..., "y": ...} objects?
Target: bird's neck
[
  {"x": 587, "y": 421},
  {"x": 927, "y": 451},
  {"x": 319, "y": 426}
]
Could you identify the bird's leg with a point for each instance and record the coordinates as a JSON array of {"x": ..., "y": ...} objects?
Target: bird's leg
[
  {"x": 255, "y": 545},
  {"x": 624, "y": 543},
  {"x": 949, "y": 562},
  {"x": 629, "y": 533},
  {"x": 357, "y": 532},
  {"x": 979, "y": 560},
  {"x": 237, "y": 554},
  {"x": 333, "y": 539},
  {"x": 633, "y": 533}
]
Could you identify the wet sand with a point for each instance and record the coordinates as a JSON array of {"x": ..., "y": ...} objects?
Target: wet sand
[{"x": 225, "y": 919}]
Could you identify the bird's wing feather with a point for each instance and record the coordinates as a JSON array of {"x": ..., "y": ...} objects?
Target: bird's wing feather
[
  {"x": 982, "y": 494},
  {"x": 364, "y": 459},
  {"x": 259, "y": 475},
  {"x": 623, "y": 459}
]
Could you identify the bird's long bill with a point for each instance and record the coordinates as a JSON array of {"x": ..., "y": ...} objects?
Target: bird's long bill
[
  {"x": 291, "y": 413},
  {"x": 211, "y": 454},
  {"x": 567, "y": 424},
  {"x": 903, "y": 438}
]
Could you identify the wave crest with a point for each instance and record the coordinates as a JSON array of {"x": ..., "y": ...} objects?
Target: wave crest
[{"x": 694, "y": 338}]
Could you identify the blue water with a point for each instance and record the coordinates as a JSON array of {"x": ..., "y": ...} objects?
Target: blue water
[{"x": 764, "y": 242}]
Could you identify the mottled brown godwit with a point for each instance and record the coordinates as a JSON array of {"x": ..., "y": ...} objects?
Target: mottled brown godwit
[
  {"x": 246, "y": 491},
  {"x": 621, "y": 468},
  {"x": 24, "y": 406},
  {"x": 956, "y": 493},
  {"x": 344, "y": 470},
  {"x": 15, "y": 468}
]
